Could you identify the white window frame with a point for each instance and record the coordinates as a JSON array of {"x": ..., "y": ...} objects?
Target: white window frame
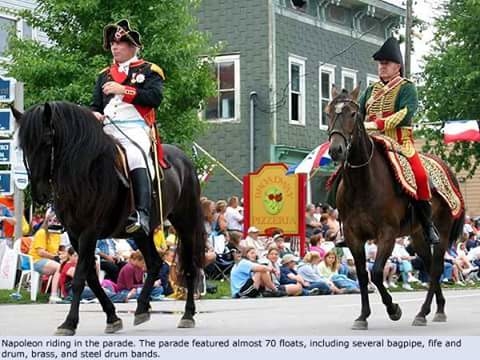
[
  {"x": 19, "y": 29},
  {"x": 236, "y": 61},
  {"x": 351, "y": 74},
  {"x": 330, "y": 69},
  {"x": 300, "y": 61},
  {"x": 371, "y": 78}
]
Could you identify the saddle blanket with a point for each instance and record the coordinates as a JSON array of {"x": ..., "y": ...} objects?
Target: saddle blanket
[{"x": 440, "y": 178}]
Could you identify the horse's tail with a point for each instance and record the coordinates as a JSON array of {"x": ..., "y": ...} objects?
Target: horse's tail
[
  {"x": 457, "y": 227},
  {"x": 191, "y": 230}
]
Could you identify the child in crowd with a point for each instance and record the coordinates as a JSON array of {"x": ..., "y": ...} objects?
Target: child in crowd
[
  {"x": 328, "y": 268},
  {"x": 130, "y": 280}
]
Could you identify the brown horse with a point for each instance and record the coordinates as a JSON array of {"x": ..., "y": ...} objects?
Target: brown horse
[{"x": 370, "y": 207}]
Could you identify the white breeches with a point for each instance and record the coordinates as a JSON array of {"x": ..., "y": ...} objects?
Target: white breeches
[{"x": 138, "y": 133}]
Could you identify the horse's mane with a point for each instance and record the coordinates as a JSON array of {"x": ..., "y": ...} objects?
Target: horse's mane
[{"x": 81, "y": 147}]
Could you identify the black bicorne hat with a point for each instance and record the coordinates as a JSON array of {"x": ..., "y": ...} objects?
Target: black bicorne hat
[
  {"x": 120, "y": 31},
  {"x": 390, "y": 51}
]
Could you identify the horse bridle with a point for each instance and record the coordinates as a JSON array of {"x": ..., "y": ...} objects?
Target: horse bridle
[
  {"x": 348, "y": 140},
  {"x": 51, "y": 135}
]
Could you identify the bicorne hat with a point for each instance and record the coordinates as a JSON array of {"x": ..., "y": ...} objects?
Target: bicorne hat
[
  {"x": 390, "y": 51},
  {"x": 120, "y": 31}
]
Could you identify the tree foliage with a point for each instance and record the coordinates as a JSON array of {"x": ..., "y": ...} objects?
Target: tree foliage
[
  {"x": 66, "y": 68},
  {"x": 452, "y": 80}
]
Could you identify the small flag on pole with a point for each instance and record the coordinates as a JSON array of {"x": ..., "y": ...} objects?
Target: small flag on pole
[
  {"x": 205, "y": 174},
  {"x": 467, "y": 130},
  {"x": 316, "y": 158}
]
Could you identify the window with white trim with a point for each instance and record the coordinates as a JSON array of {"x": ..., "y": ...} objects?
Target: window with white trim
[
  {"x": 327, "y": 80},
  {"x": 296, "y": 81},
  {"x": 371, "y": 79},
  {"x": 225, "y": 106},
  {"x": 349, "y": 79},
  {"x": 9, "y": 22}
]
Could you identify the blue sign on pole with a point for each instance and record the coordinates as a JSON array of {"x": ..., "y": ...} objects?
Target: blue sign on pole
[
  {"x": 6, "y": 121},
  {"x": 7, "y": 89},
  {"x": 6, "y": 187},
  {"x": 5, "y": 152}
]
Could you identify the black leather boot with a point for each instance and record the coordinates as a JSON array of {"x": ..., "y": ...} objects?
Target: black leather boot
[
  {"x": 424, "y": 213},
  {"x": 139, "y": 221}
]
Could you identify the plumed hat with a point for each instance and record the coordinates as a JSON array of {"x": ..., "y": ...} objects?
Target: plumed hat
[
  {"x": 390, "y": 51},
  {"x": 120, "y": 31}
]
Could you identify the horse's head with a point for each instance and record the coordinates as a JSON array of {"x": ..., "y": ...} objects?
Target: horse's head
[
  {"x": 36, "y": 139},
  {"x": 343, "y": 117}
]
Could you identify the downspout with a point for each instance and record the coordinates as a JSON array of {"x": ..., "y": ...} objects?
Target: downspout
[
  {"x": 253, "y": 96},
  {"x": 272, "y": 76}
]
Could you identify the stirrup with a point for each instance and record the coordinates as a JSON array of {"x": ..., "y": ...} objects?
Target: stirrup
[
  {"x": 134, "y": 224},
  {"x": 432, "y": 236}
]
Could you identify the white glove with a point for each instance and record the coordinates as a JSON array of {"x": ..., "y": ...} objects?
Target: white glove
[{"x": 370, "y": 125}]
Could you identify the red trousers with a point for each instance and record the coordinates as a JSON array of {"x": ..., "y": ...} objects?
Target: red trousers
[{"x": 421, "y": 178}]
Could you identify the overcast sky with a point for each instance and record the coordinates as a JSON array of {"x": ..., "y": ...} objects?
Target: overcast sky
[{"x": 425, "y": 10}]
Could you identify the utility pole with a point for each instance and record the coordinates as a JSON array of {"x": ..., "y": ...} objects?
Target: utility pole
[{"x": 408, "y": 38}]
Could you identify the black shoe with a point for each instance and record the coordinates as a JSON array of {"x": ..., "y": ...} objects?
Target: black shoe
[{"x": 138, "y": 223}]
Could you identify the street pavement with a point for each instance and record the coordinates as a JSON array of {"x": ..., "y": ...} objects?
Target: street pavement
[{"x": 303, "y": 316}]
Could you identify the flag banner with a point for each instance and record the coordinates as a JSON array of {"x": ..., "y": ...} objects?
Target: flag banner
[
  {"x": 205, "y": 174},
  {"x": 467, "y": 130},
  {"x": 316, "y": 158}
]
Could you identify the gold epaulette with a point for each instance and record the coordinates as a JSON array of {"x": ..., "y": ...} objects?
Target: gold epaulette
[{"x": 158, "y": 70}]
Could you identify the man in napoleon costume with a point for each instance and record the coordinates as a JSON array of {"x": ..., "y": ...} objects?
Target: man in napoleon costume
[
  {"x": 389, "y": 106},
  {"x": 125, "y": 97}
]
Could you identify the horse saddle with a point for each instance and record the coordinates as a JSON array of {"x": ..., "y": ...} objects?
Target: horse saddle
[{"x": 439, "y": 178}]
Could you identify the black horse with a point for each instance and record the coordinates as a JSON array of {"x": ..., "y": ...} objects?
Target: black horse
[
  {"x": 68, "y": 155},
  {"x": 371, "y": 208}
]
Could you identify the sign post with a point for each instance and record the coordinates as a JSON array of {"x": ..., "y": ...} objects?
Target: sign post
[{"x": 274, "y": 200}]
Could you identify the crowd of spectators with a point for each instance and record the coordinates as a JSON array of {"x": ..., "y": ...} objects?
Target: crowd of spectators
[{"x": 256, "y": 265}]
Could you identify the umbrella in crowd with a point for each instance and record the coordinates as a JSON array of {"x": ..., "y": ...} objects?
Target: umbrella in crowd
[{"x": 316, "y": 158}]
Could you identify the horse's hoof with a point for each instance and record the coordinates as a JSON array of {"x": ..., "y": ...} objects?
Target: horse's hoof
[
  {"x": 186, "y": 324},
  {"x": 419, "y": 321},
  {"x": 64, "y": 332},
  {"x": 141, "y": 318},
  {"x": 398, "y": 313},
  {"x": 114, "y": 327},
  {"x": 440, "y": 317},
  {"x": 360, "y": 325}
]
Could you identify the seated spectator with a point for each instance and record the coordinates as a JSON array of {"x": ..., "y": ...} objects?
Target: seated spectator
[
  {"x": 273, "y": 261},
  {"x": 250, "y": 279},
  {"x": 472, "y": 241},
  {"x": 315, "y": 242},
  {"x": 389, "y": 270},
  {"x": 130, "y": 281},
  {"x": 328, "y": 268},
  {"x": 461, "y": 260},
  {"x": 65, "y": 282},
  {"x": 329, "y": 241},
  {"x": 310, "y": 222},
  {"x": 46, "y": 245},
  {"x": 324, "y": 221},
  {"x": 164, "y": 274},
  {"x": 123, "y": 248},
  {"x": 309, "y": 271},
  {"x": 279, "y": 242},
  {"x": 403, "y": 259},
  {"x": 208, "y": 210},
  {"x": 158, "y": 239},
  {"x": 172, "y": 238},
  {"x": 253, "y": 240},
  {"x": 110, "y": 261},
  {"x": 289, "y": 275}
]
